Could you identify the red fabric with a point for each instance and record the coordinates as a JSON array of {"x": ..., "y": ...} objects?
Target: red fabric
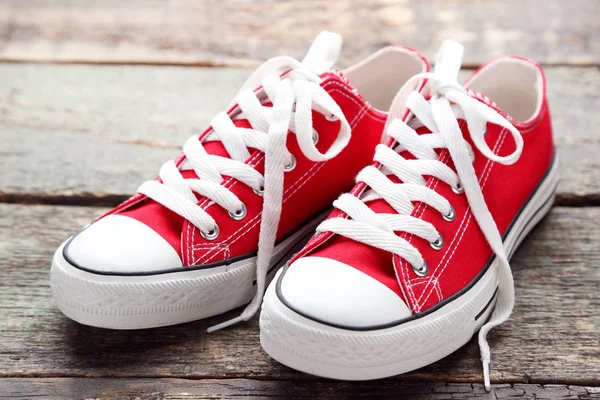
[
  {"x": 321, "y": 183},
  {"x": 162, "y": 220},
  {"x": 465, "y": 253},
  {"x": 308, "y": 189}
]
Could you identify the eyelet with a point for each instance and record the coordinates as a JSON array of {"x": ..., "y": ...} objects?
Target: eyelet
[
  {"x": 291, "y": 165},
  {"x": 259, "y": 192},
  {"x": 315, "y": 136},
  {"x": 450, "y": 216},
  {"x": 212, "y": 234},
  {"x": 458, "y": 189},
  {"x": 239, "y": 214},
  {"x": 331, "y": 117},
  {"x": 438, "y": 243},
  {"x": 423, "y": 270}
]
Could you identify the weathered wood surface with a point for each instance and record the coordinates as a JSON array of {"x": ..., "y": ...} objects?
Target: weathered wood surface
[
  {"x": 102, "y": 130},
  {"x": 552, "y": 337},
  {"x": 68, "y": 130},
  {"x": 234, "y": 31},
  {"x": 146, "y": 389}
]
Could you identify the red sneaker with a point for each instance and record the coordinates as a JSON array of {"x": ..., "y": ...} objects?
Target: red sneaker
[
  {"x": 204, "y": 236},
  {"x": 415, "y": 259}
]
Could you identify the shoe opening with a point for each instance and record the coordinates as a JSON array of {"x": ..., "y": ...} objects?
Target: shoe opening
[
  {"x": 379, "y": 77},
  {"x": 516, "y": 85}
]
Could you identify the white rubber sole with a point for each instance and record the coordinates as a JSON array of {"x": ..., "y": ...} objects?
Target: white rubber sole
[
  {"x": 137, "y": 302},
  {"x": 319, "y": 349}
]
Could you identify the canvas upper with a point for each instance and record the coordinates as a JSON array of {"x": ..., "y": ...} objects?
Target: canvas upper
[{"x": 351, "y": 275}]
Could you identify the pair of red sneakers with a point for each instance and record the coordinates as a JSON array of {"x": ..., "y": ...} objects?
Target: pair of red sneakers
[{"x": 411, "y": 263}]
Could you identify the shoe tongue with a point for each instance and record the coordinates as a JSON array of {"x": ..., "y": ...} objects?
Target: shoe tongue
[
  {"x": 216, "y": 147},
  {"x": 323, "y": 53}
]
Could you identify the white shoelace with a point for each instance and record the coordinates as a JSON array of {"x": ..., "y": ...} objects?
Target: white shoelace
[
  {"x": 449, "y": 102},
  {"x": 294, "y": 97}
]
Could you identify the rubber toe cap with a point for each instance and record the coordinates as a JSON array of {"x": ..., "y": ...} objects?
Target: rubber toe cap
[
  {"x": 337, "y": 294},
  {"x": 121, "y": 245}
]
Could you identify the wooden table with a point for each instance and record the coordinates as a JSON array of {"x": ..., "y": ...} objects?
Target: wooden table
[{"x": 95, "y": 95}]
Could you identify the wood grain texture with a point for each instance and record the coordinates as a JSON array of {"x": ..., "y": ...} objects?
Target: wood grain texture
[
  {"x": 75, "y": 129},
  {"x": 552, "y": 337},
  {"x": 217, "y": 32},
  {"x": 182, "y": 389},
  {"x": 69, "y": 131}
]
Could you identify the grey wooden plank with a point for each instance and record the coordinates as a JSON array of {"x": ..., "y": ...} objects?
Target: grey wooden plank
[
  {"x": 234, "y": 31},
  {"x": 146, "y": 389},
  {"x": 552, "y": 337},
  {"x": 73, "y": 129},
  {"x": 149, "y": 106},
  {"x": 68, "y": 130}
]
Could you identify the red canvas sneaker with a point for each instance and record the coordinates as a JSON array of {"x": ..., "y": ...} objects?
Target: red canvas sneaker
[
  {"x": 415, "y": 259},
  {"x": 204, "y": 236}
]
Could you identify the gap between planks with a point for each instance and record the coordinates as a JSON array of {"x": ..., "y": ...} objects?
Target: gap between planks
[
  {"x": 413, "y": 379},
  {"x": 188, "y": 31},
  {"x": 232, "y": 63},
  {"x": 110, "y": 388},
  {"x": 112, "y": 200}
]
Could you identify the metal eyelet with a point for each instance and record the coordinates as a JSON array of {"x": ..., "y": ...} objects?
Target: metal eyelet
[
  {"x": 239, "y": 214},
  {"x": 450, "y": 216},
  {"x": 458, "y": 189},
  {"x": 291, "y": 165},
  {"x": 438, "y": 243},
  {"x": 331, "y": 117},
  {"x": 212, "y": 234},
  {"x": 259, "y": 192},
  {"x": 315, "y": 136},
  {"x": 423, "y": 270}
]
